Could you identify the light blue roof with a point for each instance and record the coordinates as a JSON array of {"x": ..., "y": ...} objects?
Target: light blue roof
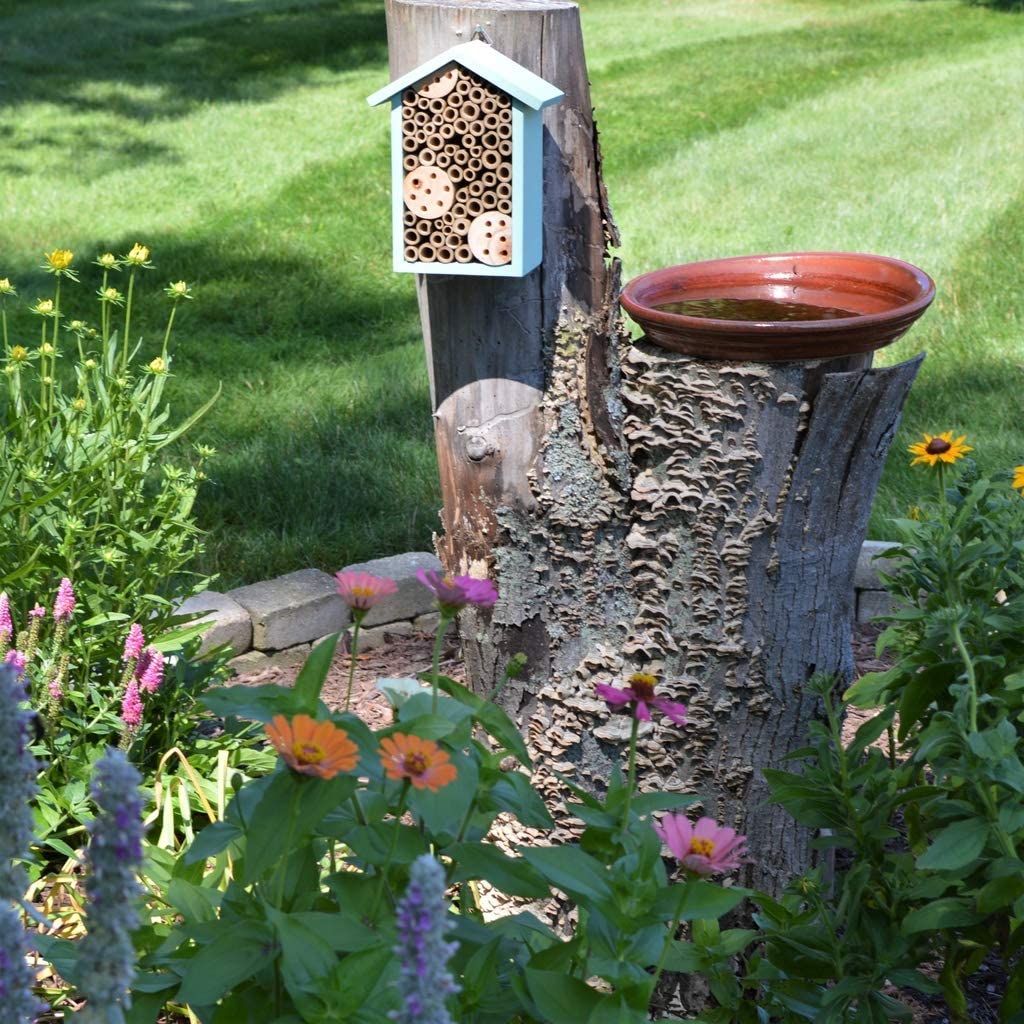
[{"x": 485, "y": 61}]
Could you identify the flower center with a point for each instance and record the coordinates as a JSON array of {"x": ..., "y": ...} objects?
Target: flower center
[
  {"x": 936, "y": 446},
  {"x": 307, "y": 753},
  {"x": 642, "y": 685},
  {"x": 414, "y": 764},
  {"x": 363, "y": 591},
  {"x": 703, "y": 847}
]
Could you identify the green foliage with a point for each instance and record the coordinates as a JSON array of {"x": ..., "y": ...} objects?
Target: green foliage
[
  {"x": 933, "y": 825},
  {"x": 87, "y": 490}
]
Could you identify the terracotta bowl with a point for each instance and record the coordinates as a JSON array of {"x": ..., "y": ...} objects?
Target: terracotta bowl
[{"x": 886, "y": 296}]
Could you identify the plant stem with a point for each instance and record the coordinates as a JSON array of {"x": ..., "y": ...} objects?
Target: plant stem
[
  {"x": 972, "y": 681},
  {"x": 125, "y": 341},
  {"x": 631, "y": 775},
  {"x": 283, "y": 866},
  {"x": 669, "y": 939},
  {"x": 167, "y": 333},
  {"x": 352, "y": 658},
  {"x": 399, "y": 811},
  {"x": 442, "y": 627}
]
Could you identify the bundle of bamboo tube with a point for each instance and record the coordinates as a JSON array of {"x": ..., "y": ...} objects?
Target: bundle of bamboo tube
[{"x": 457, "y": 155}]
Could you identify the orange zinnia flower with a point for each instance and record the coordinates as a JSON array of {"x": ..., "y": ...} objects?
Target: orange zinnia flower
[
  {"x": 420, "y": 761},
  {"x": 311, "y": 747}
]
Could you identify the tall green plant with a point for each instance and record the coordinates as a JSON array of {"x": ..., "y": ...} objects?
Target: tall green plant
[{"x": 87, "y": 488}]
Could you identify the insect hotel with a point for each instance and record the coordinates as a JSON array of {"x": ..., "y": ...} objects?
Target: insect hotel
[{"x": 466, "y": 164}]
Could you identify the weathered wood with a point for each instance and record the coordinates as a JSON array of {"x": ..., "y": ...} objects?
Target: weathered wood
[
  {"x": 530, "y": 454},
  {"x": 753, "y": 489}
]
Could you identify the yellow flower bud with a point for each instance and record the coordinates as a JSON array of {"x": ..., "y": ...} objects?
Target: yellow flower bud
[
  {"x": 44, "y": 307},
  {"x": 108, "y": 261},
  {"x": 19, "y": 354},
  {"x": 46, "y": 348},
  {"x": 78, "y": 405},
  {"x": 111, "y": 295},
  {"x": 90, "y": 364},
  {"x": 158, "y": 366},
  {"x": 60, "y": 259},
  {"x": 138, "y": 255},
  {"x": 6, "y": 288}
]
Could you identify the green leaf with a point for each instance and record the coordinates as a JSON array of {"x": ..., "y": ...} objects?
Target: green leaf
[
  {"x": 212, "y": 840},
  {"x": 513, "y": 792},
  {"x": 955, "y": 846},
  {"x": 513, "y": 876},
  {"x": 561, "y": 999},
  {"x": 305, "y": 956},
  {"x": 570, "y": 869},
  {"x": 948, "y": 912},
  {"x": 1000, "y": 893},
  {"x": 310, "y": 680},
  {"x": 259, "y": 703},
  {"x": 239, "y": 951},
  {"x": 491, "y": 717},
  {"x": 696, "y": 900}
]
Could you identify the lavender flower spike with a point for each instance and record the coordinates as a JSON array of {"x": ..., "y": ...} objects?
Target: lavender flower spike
[
  {"x": 17, "y": 789},
  {"x": 107, "y": 960},
  {"x": 425, "y": 981}
]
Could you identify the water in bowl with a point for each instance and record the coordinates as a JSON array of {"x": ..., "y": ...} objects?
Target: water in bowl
[{"x": 753, "y": 310}]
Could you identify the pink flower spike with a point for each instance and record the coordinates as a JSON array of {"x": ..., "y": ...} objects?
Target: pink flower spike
[
  {"x": 454, "y": 594},
  {"x": 17, "y": 659},
  {"x": 55, "y": 691},
  {"x": 705, "y": 848},
  {"x": 362, "y": 590},
  {"x": 134, "y": 643},
  {"x": 39, "y": 612},
  {"x": 64, "y": 605},
  {"x": 150, "y": 670},
  {"x": 131, "y": 706},
  {"x": 6, "y": 625}
]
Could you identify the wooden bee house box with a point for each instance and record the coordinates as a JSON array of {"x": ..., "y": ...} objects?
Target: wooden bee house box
[{"x": 467, "y": 164}]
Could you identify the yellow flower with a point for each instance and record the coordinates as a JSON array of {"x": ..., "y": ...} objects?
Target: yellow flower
[
  {"x": 44, "y": 307},
  {"x": 60, "y": 259},
  {"x": 178, "y": 290},
  {"x": 111, "y": 295},
  {"x": 6, "y": 288},
  {"x": 914, "y": 512},
  {"x": 108, "y": 261},
  {"x": 19, "y": 354},
  {"x": 940, "y": 448},
  {"x": 1018, "y": 478},
  {"x": 78, "y": 405},
  {"x": 158, "y": 366},
  {"x": 138, "y": 255}
]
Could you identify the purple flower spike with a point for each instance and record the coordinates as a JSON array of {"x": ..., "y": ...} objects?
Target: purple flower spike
[
  {"x": 134, "y": 643},
  {"x": 150, "y": 670},
  {"x": 454, "y": 594},
  {"x": 64, "y": 604},
  {"x": 6, "y": 625}
]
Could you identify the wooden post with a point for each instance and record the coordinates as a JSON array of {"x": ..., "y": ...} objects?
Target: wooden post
[{"x": 522, "y": 371}]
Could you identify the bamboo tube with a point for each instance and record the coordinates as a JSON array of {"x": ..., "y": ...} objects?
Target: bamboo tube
[
  {"x": 434, "y": 141},
  {"x": 446, "y": 219},
  {"x": 504, "y": 172},
  {"x": 490, "y": 159},
  {"x": 476, "y": 94},
  {"x": 477, "y": 128},
  {"x": 469, "y": 112},
  {"x": 426, "y": 253},
  {"x": 489, "y": 140},
  {"x": 503, "y": 205},
  {"x": 489, "y": 199},
  {"x": 453, "y": 240},
  {"x": 409, "y": 219},
  {"x": 410, "y": 161},
  {"x": 505, "y": 147},
  {"x": 488, "y": 104},
  {"x": 459, "y": 210},
  {"x": 449, "y": 113},
  {"x": 461, "y": 156},
  {"x": 455, "y": 98},
  {"x": 474, "y": 207},
  {"x": 504, "y": 131},
  {"x": 462, "y": 86},
  {"x": 409, "y": 143},
  {"x": 409, "y": 97},
  {"x": 463, "y": 254},
  {"x": 460, "y": 224},
  {"x": 422, "y": 118},
  {"x": 445, "y": 254},
  {"x": 476, "y": 188},
  {"x": 473, "y": 165},
  {"x": 492, "y": 121},
  {"x": 424, "y": 227},
  {"x": 446, "y": 131},
  {"x": 505, "y": 114},
  {"x": 420, "y": 135},
  {"x": 455, "y": 172},
  {"x": 461, "y": 125},
  {"x": 451, "y": 148},
  {"x": 412, "y": 254},
  {"x": 488, "y": 179},
  {"x": 411, "y": 236},
  {"x": 408, "y": 111},
  {"x": 437, "y": 106},
  {"x": 442, "y": 160},
  {"x": 436, "y": 238},
  {"x": 422, "y": 103},
  {"x": 503, "y": 189}
]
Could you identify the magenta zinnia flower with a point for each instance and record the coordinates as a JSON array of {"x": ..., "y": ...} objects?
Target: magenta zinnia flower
[
  {"x": 64, "y": 605},
  {"x": 134, "y": 643},
  {"x": 639, "y": 696},
  {"x": 454, "y": 594},
  {"x": 362, "y": 590},
  {"x": 150, "y": 670},
  {"x": 705, "y": 848},
  {"x": 131, "y": 705}
]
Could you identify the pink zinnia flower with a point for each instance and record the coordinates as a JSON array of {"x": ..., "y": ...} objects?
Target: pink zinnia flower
[
  {"x": 6, "y": 625},
  {"x": 705, "y": 848},
  {"x": 15, "y": 658},
  {"x": 454, "y": 594},
  {"x": 361, "y": 590},
  {"x": 639, "y": 694},
  {"x": 150, "y": 670},
  {"x": 64, "y": 605},
  {"x": 131, "y": 706},
  {"x": 39, "y": 612},
  {"x": 134, "y": 643}
]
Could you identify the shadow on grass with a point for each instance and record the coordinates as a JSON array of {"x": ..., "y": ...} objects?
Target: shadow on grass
[{"x": 146, "y": 59}]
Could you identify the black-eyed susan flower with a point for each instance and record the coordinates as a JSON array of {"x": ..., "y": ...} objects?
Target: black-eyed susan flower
[
  {"x": 939, "y": 449},
  {"x": 1018, "y": 479},
  {"x": 310, "y": 747}
]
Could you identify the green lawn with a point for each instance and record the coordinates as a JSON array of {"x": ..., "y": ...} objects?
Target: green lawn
[{"x": 233, "y": 137}]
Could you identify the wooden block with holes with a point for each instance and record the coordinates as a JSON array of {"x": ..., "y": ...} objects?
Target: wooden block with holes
[{"x": 467, "y": 164}]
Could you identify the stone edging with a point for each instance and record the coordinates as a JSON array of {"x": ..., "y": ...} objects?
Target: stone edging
[{"x": 278, "y": 621}]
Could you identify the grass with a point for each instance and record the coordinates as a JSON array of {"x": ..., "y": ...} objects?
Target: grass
[{"x": 234, "y": 139}]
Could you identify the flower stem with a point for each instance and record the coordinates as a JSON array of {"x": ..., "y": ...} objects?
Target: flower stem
[
  {"x": 442, "y": 628},
  {"x": 669, "y": 939},
  {"x": 399, "y": 811},
  {"x": 352, "y": 661},
  {"x": 631, "y": 775},
  {"x": 283, "y": 866},
  {"x": 127, "y": 322},
  {"x": 167, "y": 333},
  {"x": 972, "y": 681}
]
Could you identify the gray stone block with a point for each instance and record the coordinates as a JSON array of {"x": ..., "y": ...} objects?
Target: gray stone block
[
  {"x": 428, "y": 624},
  {"x": 865, "y": 576},
  {"x": 872, "y": 603},
  {"x": 377, "y": 635},
  {"x": 229, "y": 621},
  {"x": 257, "y": 661},
  {"x": 292, "y": 609},
  {"x": 412, "y": 598}
]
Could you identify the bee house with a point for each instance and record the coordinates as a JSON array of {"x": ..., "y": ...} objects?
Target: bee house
[{"x": 467, "y": 164}]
